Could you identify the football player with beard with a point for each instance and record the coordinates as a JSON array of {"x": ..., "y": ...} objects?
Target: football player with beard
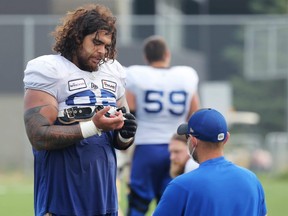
[
  {"x": 74, "y": 116},
  {"x": 180, "y": 160}
]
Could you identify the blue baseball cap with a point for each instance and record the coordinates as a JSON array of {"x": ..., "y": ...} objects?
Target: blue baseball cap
[{"x": 205, "y": 124}]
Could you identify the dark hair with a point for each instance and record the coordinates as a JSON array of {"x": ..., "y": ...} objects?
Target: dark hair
[
  {"x": 81, "y": 22},
  {"x": 154, "y": 48}
]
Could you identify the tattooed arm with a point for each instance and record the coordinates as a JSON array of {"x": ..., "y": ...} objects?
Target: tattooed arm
[{"x": 41, "y": 110}]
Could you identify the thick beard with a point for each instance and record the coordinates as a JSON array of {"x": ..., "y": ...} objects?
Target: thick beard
[
  {"x": 176, "y": 170},
  {"x": 83, "y": 63}
]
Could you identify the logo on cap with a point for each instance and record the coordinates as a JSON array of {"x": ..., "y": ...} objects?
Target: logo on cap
[
  {"x": 191, "y": 130},
  {"x": 221, "y": 136}
]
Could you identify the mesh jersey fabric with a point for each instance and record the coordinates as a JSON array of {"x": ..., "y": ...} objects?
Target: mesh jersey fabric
[{"x": 163, "y": 98}]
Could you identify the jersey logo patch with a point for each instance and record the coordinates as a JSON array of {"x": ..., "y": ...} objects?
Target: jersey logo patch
[
  {"x": 76, "y": 84},
  {"x": 93, "y": 86},
  {"x": 109, "y": 85}
]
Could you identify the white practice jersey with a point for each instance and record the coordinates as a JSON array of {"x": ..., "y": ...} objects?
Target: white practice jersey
[
  {"x": 190, "y": 165},
  {"x": 163, "y": 98},
  {"x": 73, "y": 87}
]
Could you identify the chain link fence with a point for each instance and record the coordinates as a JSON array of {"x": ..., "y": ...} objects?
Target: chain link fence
[{"x": 255, "y": 46}]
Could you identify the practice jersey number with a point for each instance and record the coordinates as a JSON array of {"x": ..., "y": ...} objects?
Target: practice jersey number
[{"x": 155, "y": 101}]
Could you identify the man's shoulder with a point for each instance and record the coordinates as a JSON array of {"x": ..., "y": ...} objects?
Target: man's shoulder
[
  {"x": 137, "y": 68},
  {"x": 184, "y": 73},
  {"x": 186, "y": 178},
  {"x": 47, "y": 67},
  {"x": 138, "y": 72},
  {"x": 48, "y": 58},
  {"x": 53, "y": 60},
  {"x": 111, "y": 64},
  {"x": 183, "y": 69},
  {"x": 113, "y": 67}
]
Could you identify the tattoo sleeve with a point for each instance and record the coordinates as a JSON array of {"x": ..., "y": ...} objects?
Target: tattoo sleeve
[{"x": 43, "y": 135}]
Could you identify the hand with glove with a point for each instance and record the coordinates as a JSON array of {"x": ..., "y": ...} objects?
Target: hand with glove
[
  {"x": 130, "y": 126},
  {"x": 127, "y": 132}
]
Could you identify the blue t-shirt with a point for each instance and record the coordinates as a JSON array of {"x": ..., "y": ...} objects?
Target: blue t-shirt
[{"x": 217, "y": 188}]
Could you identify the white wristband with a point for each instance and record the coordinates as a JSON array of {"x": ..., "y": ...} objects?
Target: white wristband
[
  {"x": 88, "y": 128},
  {"x": 124, "y": 140}
]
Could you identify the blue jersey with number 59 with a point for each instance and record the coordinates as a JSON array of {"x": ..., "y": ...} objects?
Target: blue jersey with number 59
[{"x": 163, "y": 98}]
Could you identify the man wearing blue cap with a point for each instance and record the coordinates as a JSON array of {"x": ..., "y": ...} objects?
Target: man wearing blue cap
[{"x": 218, "y": 187}]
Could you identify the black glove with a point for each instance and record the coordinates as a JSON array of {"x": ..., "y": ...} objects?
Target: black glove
[{"x": 130, "y": 126}]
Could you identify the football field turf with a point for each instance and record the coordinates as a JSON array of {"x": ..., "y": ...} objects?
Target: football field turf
[{"x": 16, "y": 196}]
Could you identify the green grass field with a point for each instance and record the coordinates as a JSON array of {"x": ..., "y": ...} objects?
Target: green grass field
[{"x": 16, "y": 196}]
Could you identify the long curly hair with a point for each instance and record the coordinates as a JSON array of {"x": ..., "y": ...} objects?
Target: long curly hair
[{"x": 81, "y": 22}]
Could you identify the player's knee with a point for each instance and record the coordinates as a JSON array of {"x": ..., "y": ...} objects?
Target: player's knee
[{"x": 138, "y": 206}]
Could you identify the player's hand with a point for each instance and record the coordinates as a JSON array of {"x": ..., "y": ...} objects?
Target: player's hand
[
  {"x": 130, "y": 126},
  {"x": 105, "y": 123}
]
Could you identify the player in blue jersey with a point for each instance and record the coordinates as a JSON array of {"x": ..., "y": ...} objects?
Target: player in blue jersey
[
  {"x": 74, "y": 117},
  {"x": 162, "y": 97},
  {"x": 218, "y": 187}
]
